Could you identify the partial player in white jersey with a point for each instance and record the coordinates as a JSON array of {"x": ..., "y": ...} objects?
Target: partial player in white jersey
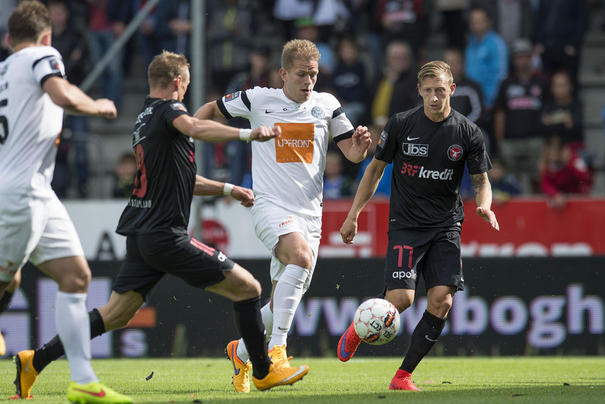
[
  {"x": 34, "y": 225},
  {"x": 287, "y": 176}
]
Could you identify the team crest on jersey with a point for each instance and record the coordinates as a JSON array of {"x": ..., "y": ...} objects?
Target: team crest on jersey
[
  {"x": 455, "y": 152},
  {"x": 383, "y": 137},
  {"x": 54, "y": 64},
  {"x": 232, "y": 96},
  {"x": 318, "y": 112},
  {"x": 178, "y": 106}
]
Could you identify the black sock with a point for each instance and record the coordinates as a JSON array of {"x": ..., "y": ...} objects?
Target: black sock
[
  {"x": 53, "y": 349},
  {"x": 423, "y": 338},
  {"x": 5, "y": 300},
  {"x": 250, "y": 326}
]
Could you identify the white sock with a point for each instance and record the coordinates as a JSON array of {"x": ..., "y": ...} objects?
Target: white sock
[
  {"x": 72, "y": 322},
  {"x": 267, "y": 316},
  {"x": 286, "y": 297}
]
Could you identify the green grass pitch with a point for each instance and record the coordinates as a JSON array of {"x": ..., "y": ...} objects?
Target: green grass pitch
[{"x": 575, "y": 380}]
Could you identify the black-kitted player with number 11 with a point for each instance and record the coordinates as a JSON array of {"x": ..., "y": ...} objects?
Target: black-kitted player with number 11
[{"x": 429, "y": 146}]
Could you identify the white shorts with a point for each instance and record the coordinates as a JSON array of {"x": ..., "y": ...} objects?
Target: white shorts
[
  {"x": 271, "y": 222},
  {"x": 34, "y": 229}
]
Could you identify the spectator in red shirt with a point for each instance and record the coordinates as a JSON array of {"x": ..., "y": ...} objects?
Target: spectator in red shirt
[{"x": 563, "y": 172}]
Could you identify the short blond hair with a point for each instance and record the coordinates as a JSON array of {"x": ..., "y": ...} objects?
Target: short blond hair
[
  {"x": 28, "y": 21},
  {"x": 298, "y": 49},
  {"x": 435, "y": 69},
  {"x": 165, "y": 67}
]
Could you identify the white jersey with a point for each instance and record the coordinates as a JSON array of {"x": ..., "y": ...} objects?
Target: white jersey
[
  {"x": 288, "y": 171},
  {"x": 30, "y": 123}
]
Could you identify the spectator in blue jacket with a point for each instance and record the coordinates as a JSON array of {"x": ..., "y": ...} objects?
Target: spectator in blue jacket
[{"x": 486, "y": 55}]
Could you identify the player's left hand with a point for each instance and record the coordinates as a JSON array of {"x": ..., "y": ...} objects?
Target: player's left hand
[
  {"x": 489, "y": 216},
  {"x": 264, "y": 133},
  {"x": 362, "y": 138},
  {"x": 244, "y": 195}
]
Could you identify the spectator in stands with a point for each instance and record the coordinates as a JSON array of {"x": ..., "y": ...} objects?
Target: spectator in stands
[
  {"x": 383, "y": 190},
  {"x": 395, "y": 90},
  {"x": 336, "y": 185},
  {"x": 513, "y": 19},
  {"x": 453, "y": 20},
  {"x": 504, "y": 184},
  {"x": 517, "y": 124},
  {"x": 229, "y": 38},
  {"x": 5, "y": 11},
  {"x": 563, "y": 172},
  {"x": 258, "y": 72},
  {"x": 326, "y": 14},
  {"x": 349, "y": 80},
  {"x": 486, "y": 55},
  {"x": 467, "y": 98},
  {"x": 106, "y": 22},
  {"x": 275, "y": 80},
  {"x": 71, "y": 44},
  {"x": 172, "y": 23},
  {"x": 562, "y": 114},
  {"x": 307, "y": 29},
  {"x": 559, "y": 32},
  {"x": 148, "y": 36},
  {"x": 123, "y": 176},
  {"x": 405, "y": 19}
]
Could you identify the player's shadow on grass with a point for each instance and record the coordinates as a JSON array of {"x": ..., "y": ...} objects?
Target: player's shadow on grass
[{"x": 433, "y": 393}]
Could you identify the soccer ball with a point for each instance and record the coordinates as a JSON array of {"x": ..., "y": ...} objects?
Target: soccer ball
[{"x": 376, "y": 321}]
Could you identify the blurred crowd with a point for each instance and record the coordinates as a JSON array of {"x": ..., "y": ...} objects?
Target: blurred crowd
[{"x": 515, "y": 63}]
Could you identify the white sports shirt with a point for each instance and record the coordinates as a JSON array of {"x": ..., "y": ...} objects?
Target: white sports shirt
[
  {"x": 30, "y": 123},
  {"x": 288, "y": 171}
]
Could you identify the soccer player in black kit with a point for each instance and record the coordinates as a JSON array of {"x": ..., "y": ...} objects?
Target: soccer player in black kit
[
  {"x": 155, "y": 225},
  {"x": 428, "y": 146}
]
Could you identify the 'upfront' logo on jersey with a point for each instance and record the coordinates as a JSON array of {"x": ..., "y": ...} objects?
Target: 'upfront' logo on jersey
[
  {"x": 300, "y": 143},
  {"x": 421, "y": 172},
  {"x": 413, "y": 149}
]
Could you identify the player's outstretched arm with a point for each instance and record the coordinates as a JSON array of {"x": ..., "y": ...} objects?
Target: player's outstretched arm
[
  {"x": 211, "y": 131},
  {"x": 483, "y": 199},
  {"x": 365, "y": 191},
  {"x": 75, "y": 101},
  {"x": 355, "y": 149},
  {"x": 204, "y": 186}
]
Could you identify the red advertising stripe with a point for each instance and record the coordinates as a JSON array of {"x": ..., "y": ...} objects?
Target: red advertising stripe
[
  {"x": 201, "y": 246},
  {"x": 528, "y": 227}
]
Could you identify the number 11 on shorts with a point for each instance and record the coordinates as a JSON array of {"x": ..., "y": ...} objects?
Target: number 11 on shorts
[{"x": 400, "y": 249}]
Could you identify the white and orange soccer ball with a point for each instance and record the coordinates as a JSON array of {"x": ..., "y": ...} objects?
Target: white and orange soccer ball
[{"x": 376, "y": 321}]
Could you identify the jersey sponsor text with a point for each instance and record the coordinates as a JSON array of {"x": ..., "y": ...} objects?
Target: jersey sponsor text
[{"x": 421, "y": 172}]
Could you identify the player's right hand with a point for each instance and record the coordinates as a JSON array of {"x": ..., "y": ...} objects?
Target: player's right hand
[
  {"x": 107, "y": 109},
  {"x": 264, "y": 133},
  {"x": 244, "y": 195},
  {"x": 348, "y": 230}
]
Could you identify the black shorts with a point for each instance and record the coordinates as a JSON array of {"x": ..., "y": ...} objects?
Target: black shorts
[
  {"x": 432, "y": 253},
  {"x": 150, "y": 256}
]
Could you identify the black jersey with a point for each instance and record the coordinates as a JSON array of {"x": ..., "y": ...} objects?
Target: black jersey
[
  {"x": 166, "y": 170},
  {"x": 428, "y": 163}
]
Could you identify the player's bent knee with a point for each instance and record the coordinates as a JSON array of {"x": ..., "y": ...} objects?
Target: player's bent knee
[
  {"x": 250, "y": 289},
  {"x": 440, "y": 308},
  {"x": 402, "y": 305},
  {"x": 399, "y": 300},
  {"x": 303, "y": 258}
]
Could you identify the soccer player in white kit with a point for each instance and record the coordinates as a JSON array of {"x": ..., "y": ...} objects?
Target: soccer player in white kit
[
  {"x": 34, "y": 225},
  {"x": 287, "y": 176}
]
